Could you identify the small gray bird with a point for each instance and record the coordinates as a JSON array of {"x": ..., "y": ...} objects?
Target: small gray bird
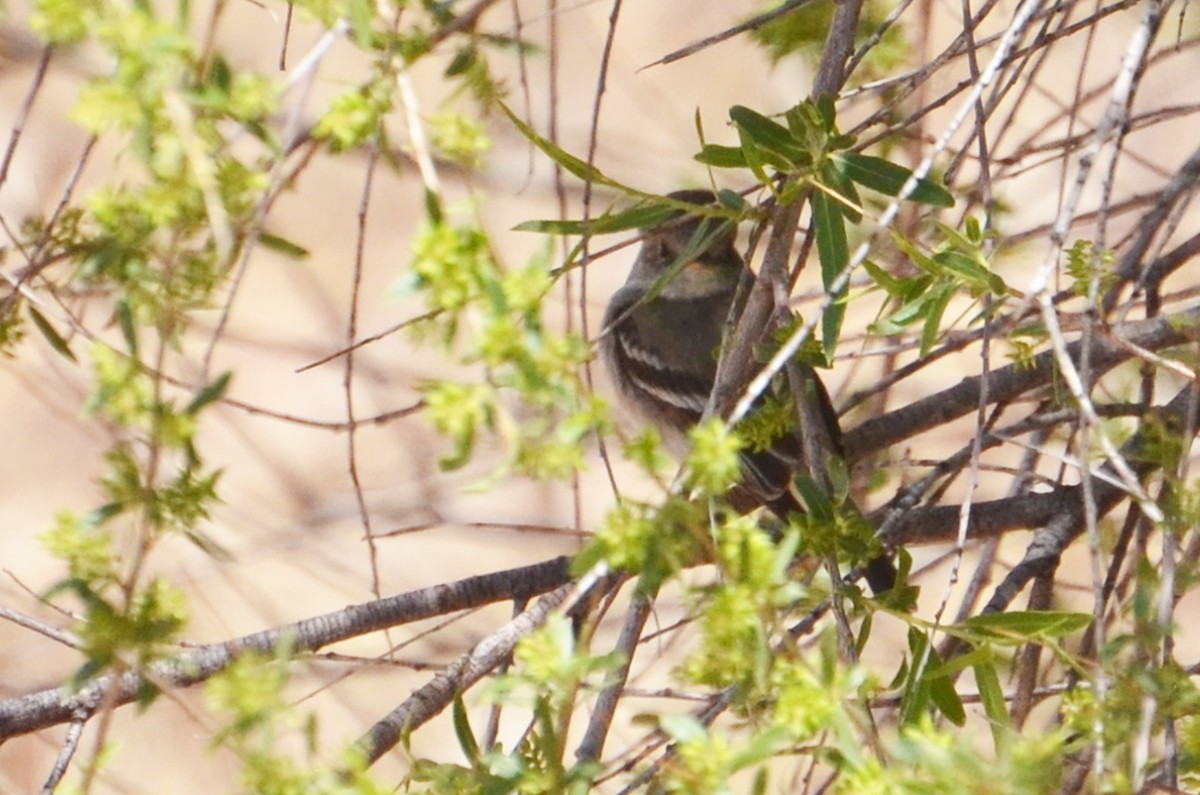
[{"x": 661, "y": 343}]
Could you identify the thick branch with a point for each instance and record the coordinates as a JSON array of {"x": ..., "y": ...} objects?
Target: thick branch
[
  {"x": 1062, "y": 507},
  {"x": 1008, "y": 383},
  {"x": 35, "y": 711},
  {"x": 437, "y": 694},
  {"x": 738, "y": 358}
]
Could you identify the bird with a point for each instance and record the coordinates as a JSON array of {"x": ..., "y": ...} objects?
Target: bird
[{"x": 660, "y": 340}]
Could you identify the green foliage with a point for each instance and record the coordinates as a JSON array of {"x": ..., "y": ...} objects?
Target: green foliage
[
  {"x": 85, "y": 547},
  {"x": 465, "y": 286},
  {"x": 714, "y": 461},
  {"x": 958, "y": 265},
  {"x": 1084, "y": 263},
  {"x": 64, "y": 21},
  {"x": 1024, "y": 343},
  {"x": 549, "y": 671},
  {"x": 803, "y": 32},
  {"x": 927, "y": 759},
  {"x": 739, "y": 615},
  {"x": 646, "y": 450},
  {"x": 810, "y": 151},
  {"x": 833, "y": 528},
  {"x": 812, "y": 695},
  {"x": 355, "y": 116},
  {"x": 459, "y": 139},
  {"x": 652, "y": 541},
  {"x": 261, "y": 726},
  {"x": 12, "y": 325},
  {"x": 113, "y": 630}
]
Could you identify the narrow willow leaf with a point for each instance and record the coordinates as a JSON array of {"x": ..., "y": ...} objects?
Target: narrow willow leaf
[
  {"x": 568, "y": 161},
  {"x": 827, "y": 111},
  {"x": 864, "y": 634},
  {"x": 935, "y": 310},
  {"x": 888, "y": 178},
  {"x": 831, "y": 325},
  {"x": 834, "y": 177},
  {"x": 128, "y": 327},
  {"x": 945, "y": 697},
  {"x": 975, "y": 274},
  {"x": 211, "y": 393},
  {"x": 914, "y": 700},
  {"x": 832, "y": 247},
  {"x": 637, "y": 217},
  {"x": 282, "y": 245},
  {"x": 901, "y": 675},
  {"x": 991, "y": 695},
  {"x": 890, "y": 284},
  {"x": 721, "y": 156},
  {"x": 651, "y": 212},
  {"x": 767, "y": 133},
  {"x": 912, "y": 310},
  {"x": 1030, "y": 624},
  {"x": 919, "y": 258},
  {"x": 759, "y": 787},
  {"x": 758, "y": 157},
  {"x": 834, "y": 253},
  {"x": 52, "y": 336},
  {"x": 817, "y": 502},
  {"x": 462, "y": 730}
]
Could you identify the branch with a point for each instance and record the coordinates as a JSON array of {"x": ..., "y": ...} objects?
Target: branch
[
  {"x": 737, "y": 360},
  {"x": 1059, "y": 511},
  {"x": 751, "y": 24},
  {"x": 1008, "y": 383},
  {"x": 35, "y": 711},
  {"x": 437, "y": 694}
]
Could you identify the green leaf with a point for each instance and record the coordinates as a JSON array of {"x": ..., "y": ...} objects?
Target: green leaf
[
  {"x": 891, "y": 285},
  {"x": 721, "y": 156},
  {"x": 975, "y": 274},
  {"x": 914, "y": 699},
  {"x": 935, "y": 308},
  {"x": 816, "y": 500},
  {"x": 1028, "y": 625},
  {"x": 991, "y": 695},
  {"x": 568, "y": 161},
  {"x": 282, "y": 245},
  {"x": 646, "y": 214},
  {"x": 827, "y": 111},
  {"x": 640, "y": 216},
  {"x": 834, "y": 253},
  {"x": 919, "y": 257},
  {"x": 767, "y": 133},
  {"x": 831, "y": 325},
  {"x": 211, "y": 393},
  {"x": 128, "y": 327},
  {"x": 832, "y": 247},
  {"x": 462, "y": 730},
  {"x": 945, "y": 698},
  {"x": 913, "y": 309},
  {"x": 757, "y": 158},
  {"x": 834, "y": 178},
  {"x": 52, "y": 336},
  {"x": 888, "y": 178}
]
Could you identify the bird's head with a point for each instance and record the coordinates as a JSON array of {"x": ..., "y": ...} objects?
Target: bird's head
[{"x": 692, "y": 255}]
